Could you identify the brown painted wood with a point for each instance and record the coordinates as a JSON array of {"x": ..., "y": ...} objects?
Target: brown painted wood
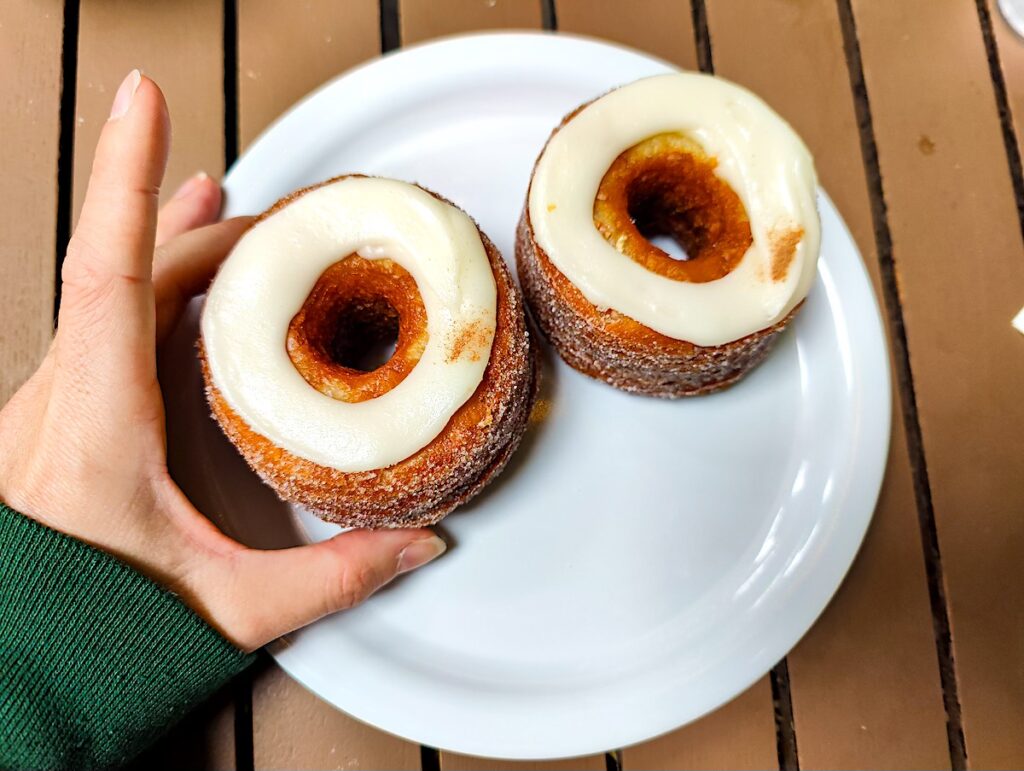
[
  {"x": 284, "y": 55},
  {"x": 294, "y": 729},
  {"x": 737, "y": 736},
  {"x": 661, "y": 27},
  {"x": 451, "y": 761},
  {"x": 958, "y": 254},
  {"x": 865, "y": 683},
  {"x": 424, "y": 19},
  {"x": 30, "y": 77},
  {"x": 180, "y": 45}
]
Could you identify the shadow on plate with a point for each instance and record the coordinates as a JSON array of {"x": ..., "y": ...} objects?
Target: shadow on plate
[{"x": 204, "y": 463}]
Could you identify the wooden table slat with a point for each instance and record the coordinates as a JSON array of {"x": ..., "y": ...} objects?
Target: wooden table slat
[
  {"x": 739, "y": 735},
  {"x": 30, "y": 45},
  {"x": 420, "y": 20},
  {"x": 956, "y": 245},
  {"x": 284, "y": 56},
  {"x": 660, "y": 27},
  {"x": 180, "y": 45},
  {"x": 294, "y": 729}
]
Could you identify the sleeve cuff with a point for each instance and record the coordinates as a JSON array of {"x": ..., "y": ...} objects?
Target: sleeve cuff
[{"x": 96, "y": 661}]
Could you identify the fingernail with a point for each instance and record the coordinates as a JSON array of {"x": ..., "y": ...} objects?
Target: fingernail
[
  {"x": 420, "y": 552},
  {"x": 191, "y": 185},
  {"x": 125, "y": 92}
]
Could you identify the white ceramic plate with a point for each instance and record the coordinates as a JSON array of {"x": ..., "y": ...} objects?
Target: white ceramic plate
[{"x": 640, "y": 562}]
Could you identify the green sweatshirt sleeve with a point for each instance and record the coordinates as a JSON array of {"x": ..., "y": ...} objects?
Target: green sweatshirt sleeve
[{"x": 96, "y": 661}]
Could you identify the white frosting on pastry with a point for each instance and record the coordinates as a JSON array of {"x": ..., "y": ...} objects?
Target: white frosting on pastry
[
  {"x": 269, "y": 274},
  {"x": 759, "y": 156}
]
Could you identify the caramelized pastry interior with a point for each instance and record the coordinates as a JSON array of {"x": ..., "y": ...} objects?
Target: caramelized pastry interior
[
  {"x": 340, "y": 339},
  {"x": 666, "y": 186}
]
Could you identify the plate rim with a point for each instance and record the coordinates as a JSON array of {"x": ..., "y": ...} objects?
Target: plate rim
[{"x": 283, "y": 651}]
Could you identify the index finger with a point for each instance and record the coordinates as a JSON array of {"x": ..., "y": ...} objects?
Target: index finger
[{"x": 106, "y": 317}]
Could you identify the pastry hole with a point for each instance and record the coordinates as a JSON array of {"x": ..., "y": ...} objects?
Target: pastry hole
[
  {"x": 361, "y": 330},
  {"x": 667, "y": 244},
  {"x": 661, "y": 204},
  {"x": 670, "y": 213},
  {"x": 365, "y": 335}
]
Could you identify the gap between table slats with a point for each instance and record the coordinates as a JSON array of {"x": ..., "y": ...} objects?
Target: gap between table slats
[
  {"x": 66, "y": 157},
  {"x": 956, "y": 251},
  {"x": 230, "y": 74},
  {"x": 922, "y": 488},
  {"x": 1007, "y": 84}
]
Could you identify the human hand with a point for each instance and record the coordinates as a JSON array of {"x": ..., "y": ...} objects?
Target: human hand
[{"x": 83, "y": 442}]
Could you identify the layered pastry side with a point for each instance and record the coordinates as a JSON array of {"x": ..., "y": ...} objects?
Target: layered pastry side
[
  {"x": 295, "y": 345},
  {"x": 687, "y": 157}
]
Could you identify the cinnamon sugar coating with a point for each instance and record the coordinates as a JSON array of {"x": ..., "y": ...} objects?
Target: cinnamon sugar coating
[
  {"x": 472, "y": 449},
  {"x": 664, "y": 174}
]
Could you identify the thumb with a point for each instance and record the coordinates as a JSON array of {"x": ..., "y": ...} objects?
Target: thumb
[{"x": 287, "y": 589}]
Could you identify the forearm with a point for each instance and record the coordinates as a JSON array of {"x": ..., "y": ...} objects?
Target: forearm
[{"x": 96, "y": 661}]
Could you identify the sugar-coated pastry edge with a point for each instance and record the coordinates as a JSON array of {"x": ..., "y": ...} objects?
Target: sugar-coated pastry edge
[
  {"x": 472, "y": 449},
  {"x": 609, "y": 346}
]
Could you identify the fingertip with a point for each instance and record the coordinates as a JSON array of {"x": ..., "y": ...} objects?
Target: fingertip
[
  {"x": 151, "y": 95},
  {"x": 125, "y": 95},
  {"x": 420, "y": 552},
  {"x": 289, "y": 588},
  {"x": 194, "y": 204},
  {"x": 129, "y": 160},
  {"x": 411, "y": 547},
  {"x": 140, "y": 98},
  {"x": 209, "y": 190}
]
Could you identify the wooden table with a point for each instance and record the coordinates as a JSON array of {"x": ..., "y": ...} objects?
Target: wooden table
[{"x": 914, "y": 110}]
